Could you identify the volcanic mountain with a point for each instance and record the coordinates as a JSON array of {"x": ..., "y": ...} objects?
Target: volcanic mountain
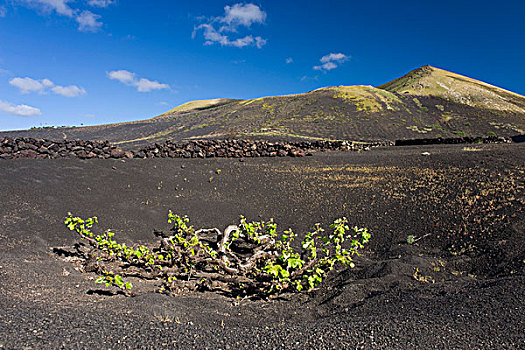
[{"x": 427, "y": 102}]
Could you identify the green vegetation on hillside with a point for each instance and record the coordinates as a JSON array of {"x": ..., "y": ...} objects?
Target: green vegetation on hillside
[
  {"x": 431, "y": 81},
  {"x": 367, "y": 98}
]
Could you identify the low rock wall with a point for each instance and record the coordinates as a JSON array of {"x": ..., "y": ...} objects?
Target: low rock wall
[
  {"x": 452, "y": 140},
  {"x": 23, "y": 147}
]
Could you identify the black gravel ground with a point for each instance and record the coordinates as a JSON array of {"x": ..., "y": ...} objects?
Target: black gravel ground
[{"x": 461, "y": 286}]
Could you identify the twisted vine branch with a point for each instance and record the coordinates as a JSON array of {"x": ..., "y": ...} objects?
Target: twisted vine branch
[{"x": 248, "y": 259}]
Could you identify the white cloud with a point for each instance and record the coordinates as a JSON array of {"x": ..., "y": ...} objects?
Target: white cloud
[
  {"x": 101, "y": 3},
  {"x": 240, "y": 42},
  {"x": 145, "y": 85},
  {"x": 28, "y": 85},
  {"x": 213, "y": 36},
  {"x": 3, "y": 11},
  {"x": 331, "y": 61},
  {"x": 88, "y": 21},
  {"x": 59, "y": 6},
  {"x": 19, "y": 110},
  {"x": 307, "y": 78},
  {"x": 338, "y": 57},
  {"x": 242, "y": 15},
  {"x": 326, "y": 66},
  {"x": 122, "y": 75},
  {"x": 259, "y": 42},
  {"x": 68, "y": 91},
  {"x": 47, "y": 82},
  {"x": 130, "y": 79},
  {"x": 236, "y": 16},
  {"x": 289, "y": 60}
]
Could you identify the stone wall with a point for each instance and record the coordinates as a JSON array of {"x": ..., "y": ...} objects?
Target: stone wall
[
  {"x": 452, "y": 140},
  {"x": 22, "y": 147}
]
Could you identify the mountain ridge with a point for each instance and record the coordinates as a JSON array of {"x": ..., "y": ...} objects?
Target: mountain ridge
[
  {"x": 428, "y": 80},
  {"x": 427, "y": 102},
  {"x": 404, "y": 84}
]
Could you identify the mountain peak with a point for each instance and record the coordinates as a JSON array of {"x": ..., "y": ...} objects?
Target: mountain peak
[{"x": 437, "y": 82}]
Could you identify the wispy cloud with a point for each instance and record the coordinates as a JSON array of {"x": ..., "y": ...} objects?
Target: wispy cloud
[
  {"x": 130, "y": 79},
  {"x": 241, "y": 15},
  {"x": 145, "y": 85},
  {"x": 3, "y": 11},
  {"x": 27, "y": 85},
  {"x": 19, "y": 110},
  {"x": 260, "y": 42},
  {"x": 101, "y": 3},
  {"x": 87, "y": 20},
  {"x": 331, "y": 61},
  {"x": 61, "y": 7},
  {"x": 68, "y": 91},
  {"x": 219, "y": 30},
  {"x": 308, "y": 78}
]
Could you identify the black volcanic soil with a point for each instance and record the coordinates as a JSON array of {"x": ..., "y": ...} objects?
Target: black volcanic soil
[{"x": 461, "y": 286}]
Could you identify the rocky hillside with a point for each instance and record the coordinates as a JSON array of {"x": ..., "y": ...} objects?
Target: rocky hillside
[{"x": 431, "y": 81}]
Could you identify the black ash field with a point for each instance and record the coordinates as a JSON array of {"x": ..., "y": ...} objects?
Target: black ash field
[{"x": 461, "y": 286}]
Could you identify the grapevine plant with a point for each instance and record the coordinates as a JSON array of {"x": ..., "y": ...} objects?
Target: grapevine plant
[{"x": 249, "y": 259}]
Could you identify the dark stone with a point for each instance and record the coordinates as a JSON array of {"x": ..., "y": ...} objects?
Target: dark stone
[
  {"x": 43, "y": 150},
  {"x": 296, "y": 152},
  {"x": 117, "y": 153},
  {"x": 140, "y": 154},
  {"x": 28, "y": 153},
  {"x": 81, "y": 154}
]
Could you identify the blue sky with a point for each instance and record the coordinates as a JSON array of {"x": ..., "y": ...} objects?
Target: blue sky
[{"x": 73, "y": 62}]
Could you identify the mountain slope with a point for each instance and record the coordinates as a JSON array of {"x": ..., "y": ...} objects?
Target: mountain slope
[
  {"x": 431, "y": 81},
  {"x": 427, "y": 102},
  {"x": 198, "y": 105}
]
